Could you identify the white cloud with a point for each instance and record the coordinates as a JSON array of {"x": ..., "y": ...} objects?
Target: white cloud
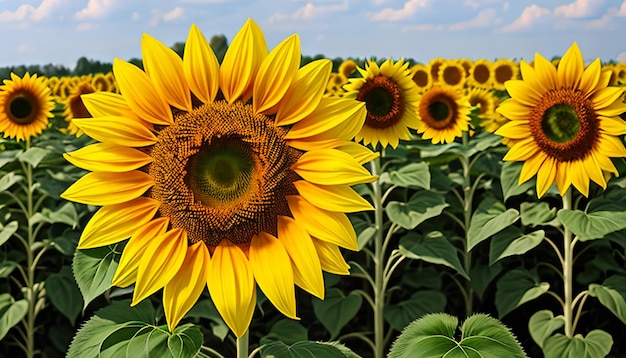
[
  {"x": 484, "y": 18},
  {"x": 531, "y": 15},
  {"x": 175, "y": 14},
  {"x": 603, "y": 23},
  {"x": 311, "y": 11},
  {"x": 622, "y": 9},
  {"x": 410, "y": 8},
  {"x": 580, "y": 9},
  {"x": 95, "y": 9},
  {"x": 84, "y": 26},
  {"x": 28, "y": 12},
  {"x": 621, "y": 57}
]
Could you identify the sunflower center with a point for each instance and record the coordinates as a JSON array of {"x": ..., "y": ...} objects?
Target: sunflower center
[
  {"x": 481, "y": 73},
  {"x": 503, "y": 73},
  {"x": 223, "y": 172},
  {"x": 437, "y": 109},
  {"x": 564, "y": 124},
  {"x": 382, "y": 99},
  {"x": 22, "y": 109}
]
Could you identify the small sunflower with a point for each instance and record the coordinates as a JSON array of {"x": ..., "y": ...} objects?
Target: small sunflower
[
  {"x": 434, "y": 65},
  {"x": 231, "y": 176},
  {"x": 564, "y": 123},
  {"x": 422, "y": 77},
  {"x": 452, "y": 73},
  {"x": 75, "y": 108},
  {"x": 104, "y": 82},
  {"x": 443, "y": 113},
  {"x": 503, "y": 69},
  {"x": 390, "y": 96},
  {"x": 347, "y": 67},
  {"x": 480, "y": 74},
  {"x": 25, "y": 106},
  {"x": 336, "y": 81}
]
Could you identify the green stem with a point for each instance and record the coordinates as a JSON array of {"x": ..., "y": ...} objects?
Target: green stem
[
  {"x": 468, "y": 192},
  {"x": 568, "y": 263},
  {"x": 243, "y": 346},
  {"x": 30, "y": 259},
  {"x": 379, "y": 265}
]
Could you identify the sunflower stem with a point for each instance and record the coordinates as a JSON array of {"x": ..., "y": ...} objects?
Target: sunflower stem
[
  {"x": 468, "y": 193},
  {"x": 379, "y": 264},
  {"x": 243, "y": 346},
  {"x": 31, "y": 295},
  {"x": 568, "y": 263}
]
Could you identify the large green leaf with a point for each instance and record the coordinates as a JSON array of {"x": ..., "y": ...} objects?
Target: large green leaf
[
  {"x": 509, "y": 179},
  {"x": 8, "y": 180},
  {"x": 534, "y": 214},
  {"x": 6, "y": 267},
  {"x": 592, "y": 225},
  {"x": 287, "y": 331},
  {"x": 7, "y": 231},
  {"x": 510, "y": 242},
  {"x": 597, "y": 344},
  {"x": 11, "y": 312},
  {"x": 610, "y": 297},
  {"x": 301, "y": 350},
  {"x": 433, "y": 336},
  {"x": 489, "y": 218},
  {"x": 8, "y": 156},
  {"x": 336, "y": 310},
  {"x": 422, "y": 206},
  {"x": 420, "y": 303},
  {"x": 94, "y": 269},
  {"x": 64, "y": 294},
  {"x": 33, "y": 156},
  {"x": 414, "y": 174},
  {"x": 542, "y": 324},
  {"x": 433, "y": 248},
  {"x": 517, "y": 287},
  {"x": 205, "y": 308},
  {"x": 66, "y": 214},
  {"x": 482, "y": 275}
]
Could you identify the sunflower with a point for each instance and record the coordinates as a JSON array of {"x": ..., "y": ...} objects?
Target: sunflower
[
  {"x": 564, "y": 123},
  {"x": 347, "y": 67},
  {"x": 480, "y": 74},
  {"x": 422, "y": 77},
  {"x": 443, "y": 113},
  {"x": 503, "y": 70},
  {"x": 75, "y": 108},
  {"x": 25, "y": 106},
  {"x": 336, "y": 81},
  {"x": 231, "y": 176},
  {"x": 452, "y": 73},
  {"x": 390, "y": 96},
  {"x": 434, "y": 65},
  {"x": 104, "y": 82}
]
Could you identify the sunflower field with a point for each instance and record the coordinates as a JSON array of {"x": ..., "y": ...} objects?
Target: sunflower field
[{"x": 245, "y": 201}]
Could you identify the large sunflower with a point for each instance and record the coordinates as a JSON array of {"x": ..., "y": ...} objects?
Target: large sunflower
[
  {"x": 564, "y": 122},
  {"x": 443, "y": 114},
  {"x": 25, "y": 106},
  {"x": 235, "y": 175},
  {"x": 390, "y": 96}
]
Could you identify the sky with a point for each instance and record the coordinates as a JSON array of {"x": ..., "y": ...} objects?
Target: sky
[{"x": 38, "y": 32}]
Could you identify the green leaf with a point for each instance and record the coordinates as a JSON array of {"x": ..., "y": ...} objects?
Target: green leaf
[
  {"x": 533, "y": 214},
  {"x": 94, "y": 269},
  {"x": 489, "y": 218},
  {"x": 301, "y": 350},
  {"x": 433, "y": 336},
  {"x": 287, "y": 331},
  {"x": 206, "y": 309},
  {"x": 414, "y": 174},
  {"x": 509, "y": 179},
  {"x": 592, "y": 225},
  {"x": 33, "y": 156},
  {"x": 6, "y": 267},
  {"x": 597, "y": 344},
  {"x": 336, "y": 310},
  {"x": 509, "y": 242},
  {"x": 482, "y": 275},
  {"x": 7, "y": 231},
  {"x": 433, "y": 248},
  {"x": 11, "y": 312},
  {"x": 517, "y": 287},
  {"x": 365, "y": 236},
  {"x": 422, "y": 206},
  {"x": 611, "y": 298},
  {"x": 8, "y": 180},
  {"x": 8, "y": 156},
  {"x": 64, "y": 294},
  {"x": 542, "y": 324},
  {"x": 66, "y": 214},
  {"x": 420, "y": 303}
]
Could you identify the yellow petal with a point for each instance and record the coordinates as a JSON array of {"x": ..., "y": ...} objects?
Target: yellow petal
[
  {"x": 334, "y": 118},
  {"x": 161, "y": 261},
  {"x": 607, "y": 96},
  {"x": 340, "y": 198},
  {"x": 126, "y": 273},
  {"x": 140, "y": 93},
  {"x": 580, "y": 179},
  {"x": 307, "y": 271},
  {"x": 521, "y": 91},
  {"x": 102, "y": 104},
  {"x": 531, "y": 166},
  {"x": 182, "y": 292},
  {"x": 546, "y": 176},
  {"x": 571, "y": 67},
  {"x": 231, "y": 285},
  {"x": 201, "y": 66},
  {"x": 514, "y": 130},
  {"x": 331, "y": 167},
  {"x": 273, "y": 273},
  {"x": 530, "y": 76},
  {"x": 242, "y": 61},
  {"x": 594, "y": 171},
  {"x": 611, "y": 146},
  {"x": 305, "y": 93},
  {"x": 165, "y": 68},
  {"x": 330, "y": 257},
  {"x": 104, "y": 188},
  {"x": 114, "y": 223},
  {"x": 614, "y": 126},
  {"x": 325, "y": 225},
  {"x": 522, "y": 150},
  {"x": 591, "y": 76},
  {"x": 276, "y": 74},
  {"x": 546, "y": 72},
  {"x": 360, "y": 153},
  {"x": 513, "y": 110},
  {"x": 614, "y": 110},
  {"x": 116, "y": 130},
  {"x": 306, "y": 145},
  {"x": 105, "y": 157}
]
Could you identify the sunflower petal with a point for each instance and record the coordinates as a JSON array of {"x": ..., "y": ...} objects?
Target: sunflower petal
[
  {"x": 531, "y": 167},
  {"x": 340, "y": 198},
  {"x": 570, "y": 67},
  {"x": 513, "y": 110},
  {"x": 530, "y": 76},
  {"x": 231, "y": 285},
  {"x": 546, "y": 72},
  {"x": 545, "y": 176},
  {"x": 114, "y": 223},
  {"x": 614, "y": 126},
  {"x": 165, "y": 68},
  {"x": 105, "y": 188},
  {"x": 611, "y": 146},
  {"x": 330, "y": 257},
  {"x": 580, "y": 179},
  {"x": 162, "y": 260},
  {"x": 271, "y": 265},
  {"x": 514, "y": 130},
  {"x": 201, "y": 66},
  {"x": 116, "y": 130},
  {"x": 126, "y": 273},
  {"x": 105, "y": 157},
  {"x": 331, "y": 167},
  {"x": 333, "y": 227},
  {"x": 360, "y": 153},
  {"x": 521, "y": 91},
  {"x": 523, "y": 149},
  {"x": 594, "y": 172},
  {"x": 307, "y": 269},
  {"x": 590, "y": 77},
  {"x": 182, "y": 292},
  {"x": 605, "y": 97},
  {"x": 140, "y": 94},
  {"x": 336, "y": 117},
  {"x": 102, "y": 104}
]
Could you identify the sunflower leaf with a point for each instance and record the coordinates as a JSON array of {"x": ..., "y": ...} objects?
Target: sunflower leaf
[
  {"x": 33, "y": 156},
  {"x": 8, "y": 180},
  {"x": 303, "y": 349},
  {"x": 610, "y": 296},
  {"x": 336, "y": 310},
  {"x": 509, "y": 179},
  {"x": 414, "y": 174},
  {"x": 433, "y": 248},
  {"x": 11, "y": 312},
  {"x": 7, "y": 231},
  {"x": 542, "y": 324},
  {"x": 8, "y": 156},
  {"x": 6, "y": 267},
  {"x": 489, "y": 218},
  {"x": 534, "y": 214},
  {"x": 420, "y": 303},
  {"x": 603, "y": 218},
  {"x": 94, "y": 269},
  {"x": 66, "y": 214},
  {"x": 517, "y": 287},
  {"x": 287, "y": 331},
  {"x": 64, "y": 294},
  {"x": 511, "y": 241},
  {"x": 422, "y": 206},
  {"x": 596, "y": 344}
]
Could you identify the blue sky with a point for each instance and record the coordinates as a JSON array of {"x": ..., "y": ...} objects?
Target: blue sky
[{"x": 61, "y": 31}]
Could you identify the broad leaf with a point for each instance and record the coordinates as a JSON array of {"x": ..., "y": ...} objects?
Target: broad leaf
[
  {"x": 610, "y": 297},
  {"x": 11, "y": 312},
  {"x": 8, "y": 156},
  {"x": 6, "y": 267},
  {"x": 509, "y": 179},
  {"x": 365, "y": 236},
  {"x": 336, "y": 310},
  {"x": 301, "y": 350},
  {"x": 510, "y": 242},
  {"x": 534, "y": 214},
  {"x": 420, "y": 303},
  {"x": 433, "y": 248},
  {"x": 8, "y": 180},
  {"x": 94, "y": 269},
  {"x": 542, "y": 324},
  {"x": 597, "y": 344},
  {"x": 33, "y": 156},
  {"x": 517, "y": 287},
  {"x": 422, "y": 206},
  {"x": 287, "y": 331},
  {"x": 64, "y": 294},
  {"x": 7, "y": 231},
  {"x": 205, "y": 308},
  {"x": 434, "y": 336},
  {"x": 489, "y": 218},
  {"x": 414, "y": 174},
  {"x": 66, "y": 214},
  {"x": 482, "y": 275},
  {"x": 592, "y": 225}
]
